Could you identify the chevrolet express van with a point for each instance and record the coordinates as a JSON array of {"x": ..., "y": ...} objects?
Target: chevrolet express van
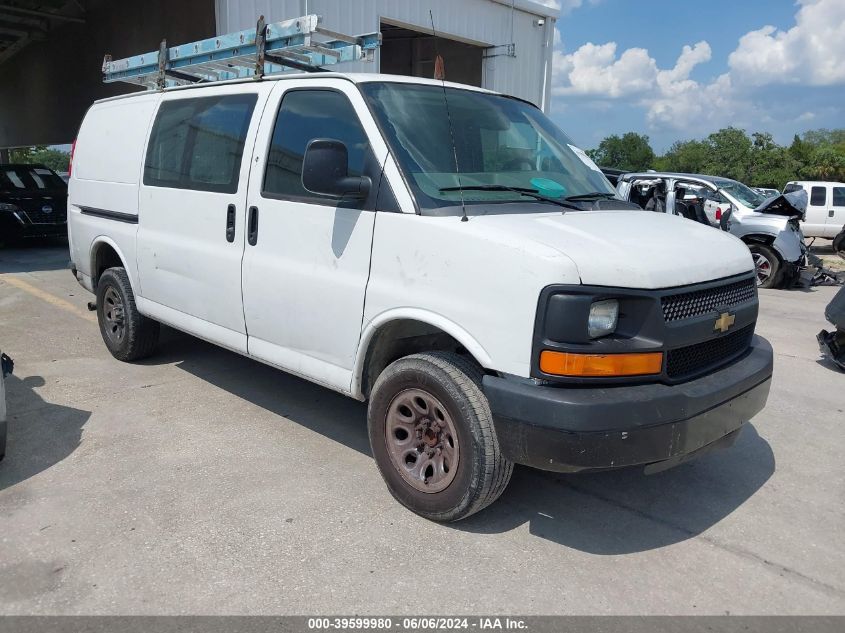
[{"x": 443, "y": 252}]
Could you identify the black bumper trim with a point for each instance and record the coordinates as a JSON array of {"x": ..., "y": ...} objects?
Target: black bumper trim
[{"x": 568, "y": 429}]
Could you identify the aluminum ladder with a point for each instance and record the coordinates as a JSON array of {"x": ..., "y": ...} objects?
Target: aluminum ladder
[{"x": 299, "y": 44}]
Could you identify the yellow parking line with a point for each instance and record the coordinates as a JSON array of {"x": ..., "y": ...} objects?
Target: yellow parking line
[{"x": 67, "y": 306}]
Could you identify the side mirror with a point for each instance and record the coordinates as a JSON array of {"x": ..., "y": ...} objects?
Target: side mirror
[{"x": 325, "y": 171}]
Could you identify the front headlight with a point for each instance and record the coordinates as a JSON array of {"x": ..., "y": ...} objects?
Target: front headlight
[
  {"x": 5, "y": 206},
  {"x": 604, "y": 315}
]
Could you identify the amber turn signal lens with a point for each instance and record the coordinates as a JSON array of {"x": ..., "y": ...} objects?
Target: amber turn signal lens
[{"x": 566, "y": 364}]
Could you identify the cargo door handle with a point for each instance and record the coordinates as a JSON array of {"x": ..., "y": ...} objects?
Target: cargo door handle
[
  {"x": 230, "y": 223},
  {"x": 831, "y": 213},
  {"x": 252, "y": 226}
]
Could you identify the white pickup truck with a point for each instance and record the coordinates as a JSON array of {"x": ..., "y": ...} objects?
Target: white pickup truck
[{"x": 441, "y": 251}]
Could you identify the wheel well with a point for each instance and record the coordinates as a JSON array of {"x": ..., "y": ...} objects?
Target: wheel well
[
  {"x": 758, "y": 238},
  {"x": 105, "y": 256},
  {"x": 400, "y": 338}
]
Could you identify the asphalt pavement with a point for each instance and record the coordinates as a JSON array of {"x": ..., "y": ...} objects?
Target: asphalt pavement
[{"x": 202, "y": 482}]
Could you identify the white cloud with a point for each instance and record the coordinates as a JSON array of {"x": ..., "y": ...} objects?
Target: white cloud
[
  {"x": 595, "y": 70},
  {"x": 811, "y": 52},
  {"x": 565, "y": 6},
  {"x": 669, "y": 95}
]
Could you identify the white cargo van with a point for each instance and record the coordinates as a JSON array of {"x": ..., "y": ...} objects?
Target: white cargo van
[
  {"x": 825, "y": 209},
  {"x": 444, "y": 252}
]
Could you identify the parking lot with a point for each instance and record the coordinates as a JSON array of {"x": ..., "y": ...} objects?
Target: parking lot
[{"x": 200, "y": 481}]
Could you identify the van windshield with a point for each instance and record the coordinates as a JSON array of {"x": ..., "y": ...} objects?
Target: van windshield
[{"x": 498, "y": 141}]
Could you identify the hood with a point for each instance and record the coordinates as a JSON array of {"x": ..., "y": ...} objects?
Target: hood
[
  {"x": 630, "y": 249},
  {"x": 792, "y": 205}
]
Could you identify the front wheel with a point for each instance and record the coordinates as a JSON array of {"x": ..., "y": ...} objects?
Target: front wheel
[
  {"x": 767, "y": 266},
  {"x": 432, "y": 436}
]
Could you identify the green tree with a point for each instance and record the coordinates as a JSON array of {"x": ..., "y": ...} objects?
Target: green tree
[
  {"x": 825, "y": 163},
  {"x": 56, "y": 160},
  {"x": 687, "y": 157},
  {"x": 631, "y": 152},
  {"x": 729, "y": 154},
  {"x": 771, "y": 164}
]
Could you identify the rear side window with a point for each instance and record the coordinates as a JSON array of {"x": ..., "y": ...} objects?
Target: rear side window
[
  {"x": 199, "y": 143},
  {"x": 818, "y": 196},
  {"x": 303, "y": 116},
  {"x": 839, "y": 196}
]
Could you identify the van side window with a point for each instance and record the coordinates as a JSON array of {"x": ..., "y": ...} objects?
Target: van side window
[
  {"x": 198, "y": 143},
  {"x": 818, "y": 196},
  {"x": 303, "y": 116},
  {"x": 839, "y": 196}
]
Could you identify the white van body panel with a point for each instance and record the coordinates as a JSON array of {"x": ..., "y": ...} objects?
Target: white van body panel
[
  {"x": 107, "y": 164},
  {"x": 185, "y": 262},
  {"x": 304, "y": 281},
  {"x": 485, "y": 274},
  {"x": 828, "y": 218}
]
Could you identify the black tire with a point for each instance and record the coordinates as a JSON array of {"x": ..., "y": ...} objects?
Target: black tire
[
  {"x": 482, "y": 473},
  {"x": 768, "y": 266},
  {"x": 116, "y": 302},
  {"x": 839, "y": 244}
]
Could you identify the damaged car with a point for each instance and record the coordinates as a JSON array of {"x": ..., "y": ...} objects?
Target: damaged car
[
  {"x": 832, "y": 344},
  {"x": 769, "y": 226}
]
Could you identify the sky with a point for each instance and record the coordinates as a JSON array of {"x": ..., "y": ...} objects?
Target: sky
[{"x": 681, "y": 69}]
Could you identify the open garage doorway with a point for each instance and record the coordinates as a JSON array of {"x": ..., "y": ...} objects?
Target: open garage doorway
[{"x": 405, "y": 51}]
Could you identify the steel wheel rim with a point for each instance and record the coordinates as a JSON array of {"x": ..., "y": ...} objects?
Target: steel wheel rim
[
  {"x": 421, "y": 440},
  {"x": 763, "y": 268},
  {"x": 113, "y": 315}
]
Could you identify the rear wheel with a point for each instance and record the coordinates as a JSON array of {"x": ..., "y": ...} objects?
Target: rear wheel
[
  {"x": 432, "y": 436},
  {"x": 767, "y": 266},
  {"x": 128, "y": 334}
]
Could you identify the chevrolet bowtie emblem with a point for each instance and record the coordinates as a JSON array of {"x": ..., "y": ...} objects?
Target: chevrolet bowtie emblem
[{"x": 724, "y": 322}]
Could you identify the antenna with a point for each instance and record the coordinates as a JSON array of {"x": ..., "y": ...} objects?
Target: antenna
[{"x": 442, "y": 73}]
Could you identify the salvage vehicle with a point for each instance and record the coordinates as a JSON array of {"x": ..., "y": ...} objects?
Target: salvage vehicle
[
  {"x": 489, "y": 296},
  {"x": 832, "y": 344},
  {"x": 839, "y": 243},
  {"x": 767, "y": 192},
  {"x": 33, "y": 202},
  {"x": 6, "y": 367},
  {"x": 825, "y": 209},
  {"x": 769, "y": 226}
]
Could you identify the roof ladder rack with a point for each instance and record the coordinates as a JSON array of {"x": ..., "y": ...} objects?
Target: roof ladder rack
[{"x": 299, "y": 44}]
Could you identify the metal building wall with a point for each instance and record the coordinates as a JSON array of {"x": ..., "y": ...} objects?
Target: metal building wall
[
  {"x": 46, "y": 88},
  {"x": 482, "y": 22}
]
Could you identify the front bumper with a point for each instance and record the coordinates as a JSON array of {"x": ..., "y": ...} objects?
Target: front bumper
[{"x": 571, "y": 429}]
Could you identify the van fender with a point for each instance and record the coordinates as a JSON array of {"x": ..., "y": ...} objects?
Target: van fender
[
  {"x": 424, "y": 316},
  {"x": 105, "y": 239}
]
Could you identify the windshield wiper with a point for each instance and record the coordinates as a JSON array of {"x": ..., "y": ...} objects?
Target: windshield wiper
[
  {"x": 591, "y": 196},
  {"x": 524, "y": 191}
]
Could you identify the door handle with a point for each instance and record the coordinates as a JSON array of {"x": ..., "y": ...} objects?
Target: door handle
[
  {"x": 252, "y": 226},
  {"x": 831, "y": 213},
  {"x": 230, "y": 223}
]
